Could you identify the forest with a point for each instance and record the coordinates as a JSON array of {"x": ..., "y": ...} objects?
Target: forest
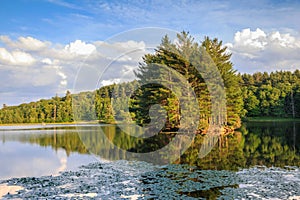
[
  {"x": 275, "y": 94},
  {"x": 262, "y": 94}
]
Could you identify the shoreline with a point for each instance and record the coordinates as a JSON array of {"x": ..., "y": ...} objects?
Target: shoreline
[
  {"x": 50, "y": 123},
  {"x": 270, "y": 119}
]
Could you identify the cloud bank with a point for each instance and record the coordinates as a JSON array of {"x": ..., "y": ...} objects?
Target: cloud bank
[
  {"x": 31, "y": 69},
  {"x": 257, "y": 50}
]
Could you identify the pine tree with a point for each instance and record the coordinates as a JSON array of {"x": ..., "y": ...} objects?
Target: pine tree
[
  {"x": 186, "y": 57},
  {"x": 231, "y": 81}
]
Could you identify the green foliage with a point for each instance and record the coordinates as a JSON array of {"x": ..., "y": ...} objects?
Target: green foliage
[
  {"x": 186, "y": 57},
  {"x": 116, "y": 93},
  {"x": 275, "y": 94},
  {"x": 231, "y": 81},
  {"x": 271, "y": 95},
  {"x": 84, "y": 106},
  {"x": 56, "y": 109}
]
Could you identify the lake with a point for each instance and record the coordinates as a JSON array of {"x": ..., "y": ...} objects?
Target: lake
[{"x": 261, "y": 160}]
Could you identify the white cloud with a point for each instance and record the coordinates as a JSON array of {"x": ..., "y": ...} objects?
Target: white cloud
[
  {"x": 128, "y": 69},
  {"x": 80, "y": 48},
  {"x": 62, "y": 75},
  {"x": 131, "y": 45},
  {"x": 31, "y": 78},
  {"x": 284, "y": 40},
  {"x": 15, "y": 57},
  {"x": 47, "y": 61},
  {"x": 25, "y": 43},
  {"x": 110, "y": 81},
  {"x": 255, "y": 39},
  {"x": 122, "y": 51},
  {"x": 52, "y": 69},
  {"x": 63, "y": 82},
  {"x": 265, "y": 51}
]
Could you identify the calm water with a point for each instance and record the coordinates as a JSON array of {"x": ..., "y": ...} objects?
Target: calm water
[{"x": 37, "y": 151}]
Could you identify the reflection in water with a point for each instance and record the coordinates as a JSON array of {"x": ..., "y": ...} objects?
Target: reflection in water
[
  {"x": 111, "y": 143},
  {"x": 61, "y": 138},
  {"x": 275, "y": 144},
  {"x": 40, "y": 152},
  {"x": 269, "y": 144}
]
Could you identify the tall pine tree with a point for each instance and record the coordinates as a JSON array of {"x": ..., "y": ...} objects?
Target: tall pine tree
[{"x": 185, "y": 57}]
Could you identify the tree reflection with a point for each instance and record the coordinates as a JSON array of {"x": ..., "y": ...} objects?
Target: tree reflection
[{"x": 269, "y": 144}]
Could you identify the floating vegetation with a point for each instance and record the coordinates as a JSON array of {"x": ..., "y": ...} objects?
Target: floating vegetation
[{"x": 140, "y": 180}]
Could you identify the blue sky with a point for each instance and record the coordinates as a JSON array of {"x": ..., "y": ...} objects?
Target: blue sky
[
  {"x": 42, "y": 41},
  {"x": 62, "y": 21}
]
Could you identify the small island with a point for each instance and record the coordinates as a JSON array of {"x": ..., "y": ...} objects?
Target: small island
[{"x": 258, "y": 96}]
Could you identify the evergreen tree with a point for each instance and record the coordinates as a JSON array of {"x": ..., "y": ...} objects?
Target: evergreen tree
[
  {"x": 184, "y": 57},
  {"x": 231, "y": 81}
]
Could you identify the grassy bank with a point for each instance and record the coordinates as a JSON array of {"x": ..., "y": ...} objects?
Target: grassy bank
[
  {"x": 52, "y": 123},
  {"x": 270, "y": 119}
]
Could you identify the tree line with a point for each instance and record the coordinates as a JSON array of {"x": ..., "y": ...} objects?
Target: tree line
[
  {"x": 56, "y": 109},
  {"x": 275, "y": 94}
]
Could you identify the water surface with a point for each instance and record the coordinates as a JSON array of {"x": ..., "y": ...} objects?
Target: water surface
[{"x": 254, "y": 162}]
